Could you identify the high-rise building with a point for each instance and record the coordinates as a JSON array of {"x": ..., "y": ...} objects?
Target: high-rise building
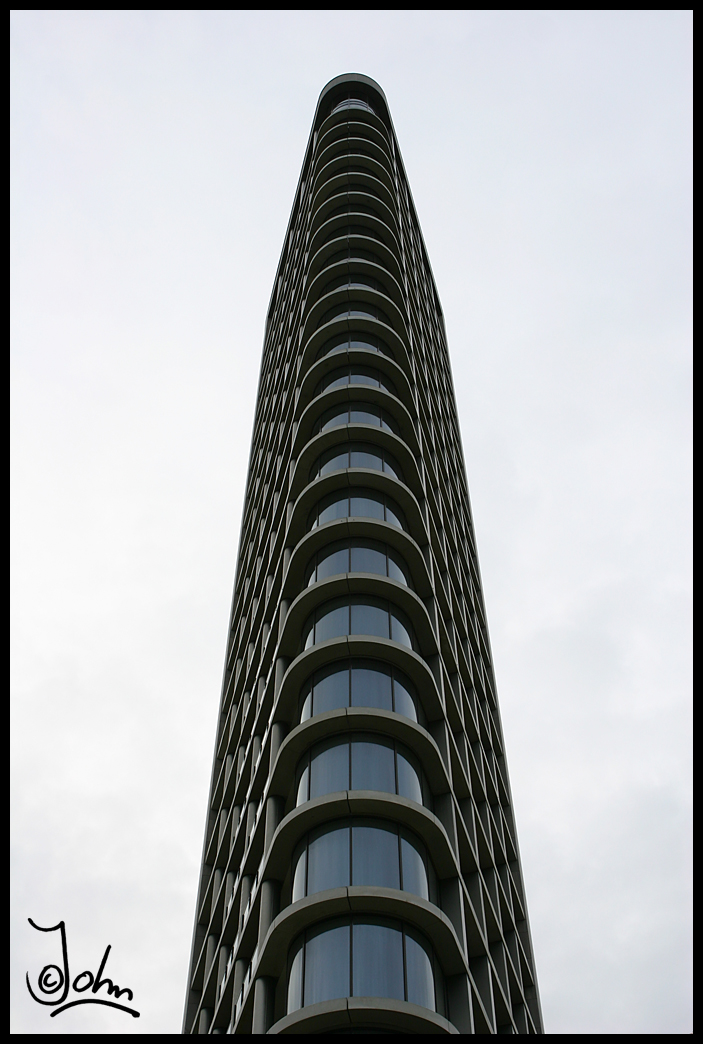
[{"x": 360, "y": 870}]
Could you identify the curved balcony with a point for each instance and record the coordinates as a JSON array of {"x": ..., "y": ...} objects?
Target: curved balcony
[
  {"x": 365, "y": 270},
  {"x": 354, "y": 329},
  {"x": 349, "y": 243},
  {"x": 323, "y": 368},
  {"x": 350, "y": 395},
  {"x": 360, "y": 162},
  {"x": 355, "y": 198}
]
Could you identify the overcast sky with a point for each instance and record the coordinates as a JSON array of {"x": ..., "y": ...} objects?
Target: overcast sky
[{"x": 155, "y": 159}]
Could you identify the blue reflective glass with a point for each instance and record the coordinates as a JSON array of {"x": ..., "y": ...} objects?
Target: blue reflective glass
[
  {"x": 396, "y": 570},
  {"x": 378, "y": 961},
  {"x": 333, "y": 418},
  {"x": 298, "y": 889},
  {"x": 364, "y": 415},
  {"x": 338, "y": 508}
]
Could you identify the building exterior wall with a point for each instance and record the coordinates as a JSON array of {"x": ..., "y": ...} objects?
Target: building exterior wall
[{"x": 360, "y": 836}]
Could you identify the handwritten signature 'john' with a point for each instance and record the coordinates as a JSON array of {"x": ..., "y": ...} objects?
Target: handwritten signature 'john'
[{"x": 52, "y": 979}]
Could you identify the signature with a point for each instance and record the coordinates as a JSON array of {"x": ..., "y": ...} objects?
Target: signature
[{"x": 52, "y": 979}]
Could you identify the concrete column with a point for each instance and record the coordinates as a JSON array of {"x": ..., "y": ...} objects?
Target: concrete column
[
  {"x": 274, "y": 815},
  {"x": 216, "y": 882},
  {"x": 210, "y": 952},
  {"x": 204, "y": 1020},
  {"x": 262, "y": 1016},
  {"x": 270, "y": 891},
  {"x": 238, "y": 971}
]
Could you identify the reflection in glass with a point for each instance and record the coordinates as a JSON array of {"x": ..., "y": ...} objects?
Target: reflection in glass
[
  {"x": 359, "y": 683},
  {"x": 362, "y": 762},
  {"x": 378, "y": 961},
  {"x": 355, "y": 455},
  {"x": 371, "y": 853},
  {"x": 346, "y": 342},
  {"x": 363, "y": 957},
  {"x": 357, "y": 615}
]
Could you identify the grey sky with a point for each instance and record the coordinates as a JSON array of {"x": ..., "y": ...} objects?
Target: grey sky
[{"x": 155, "y": 158}]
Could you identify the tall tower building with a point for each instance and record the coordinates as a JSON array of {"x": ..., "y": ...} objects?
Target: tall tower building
[{"x": 360, "y": 871}]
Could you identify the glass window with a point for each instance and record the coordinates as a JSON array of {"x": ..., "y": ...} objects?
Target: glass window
[
  {"x": 366, "y": 311},
  {"x": 362, "y": 852},
  {"x": 373, "y": 766},
  {"x": 368, "y": 506},
  {"x": 419, "y": 971},
  {"x": 328, "y": 859},
  {"x": 365, "y": 342},
  {"x": 360, "y": 504},
  {"x": 352, "y": 103},
  {"x": 359, "y": 683},
  {"x": 329, "y": 769},
  {"x": 326, "y": 964},
  {"x": 362, "y": 375},
  {"x": 356, "y": 556},
  {"x": 376, "y": 764},
  {"x": 378, "y": 961},
  {"x": 371, "y": 687},
  {"x": 363, "y": 957},
  {"x": 353, "y": 230},
  {"x": 375, "y": 856},
  {"x": 357, "y": 616},
  {"x": 355, "y": 455}
]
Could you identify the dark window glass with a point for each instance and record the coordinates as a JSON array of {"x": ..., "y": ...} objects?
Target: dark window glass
[
  {"x": 295, "y": 978},
  {"x": 331, "y": 689},
  {"x": 403, "y": 702},
  {"x": 368, "y": 558},
  {"x": 298, "y": 890},
  {"x": 388, "y": 959},
  {"x": 419, "y": 972},
  {"x": 409, "y": 785},
  {"x": 414, "y": 870},
  {"x": 369, "y": 619},
  {"x": 352, "y": 103},
  {"x": 329, "y": 770},
  {"x": 396, "y": 568},
  {"x": 370, "y": 616},
  {"x": 332, "y": 561},
  {"x": 360, "y": 458},
  {"x": 328, "y": 860},
  {"x": 394, "y": 516},
  {"x": 365, "y": 342},
  {"x": 366, "y": 507},
  {"x": 326, "y": 964},
  {"x": 373, "y": 766},
  {"x": 337, "y": 415},
  {"x": 371, "y": 687},
  {"x": 375, "y": 857},
  {"x": 353, "y": 230},
  {"x": 333, "y": 460},
  {"x": 378, "y": 961}
]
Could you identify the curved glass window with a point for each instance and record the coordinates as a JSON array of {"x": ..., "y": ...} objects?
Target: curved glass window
[
  {"x": 353, "y": 208},
  {"x": 362, "y": 310},
  {"x": 363, "y": 761},
  {"x": 359, "y": 683},
  {"x": 352, "y": 103},
  {"x": 364, "y": 852},
  {"x": 351, "y": 186},
  {"x": 364, "y": 957},
  {"x": 355, "y": 455},
  {"x": 355, "y": 413},
  {"x": 352, "y": 252},
  {"x": 349, "y": 280},
  {"x": 355, "y": 375},
  {"x": 357, "y": 503},
  {"x": 359, "y": 615},
  {"x": 352, "y": 230},
  {"x": 357, "y": 556},
  {"x": 346, "y": 342}
]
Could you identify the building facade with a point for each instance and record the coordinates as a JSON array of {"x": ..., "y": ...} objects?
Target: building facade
[{"x": 360, "y": 870}]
